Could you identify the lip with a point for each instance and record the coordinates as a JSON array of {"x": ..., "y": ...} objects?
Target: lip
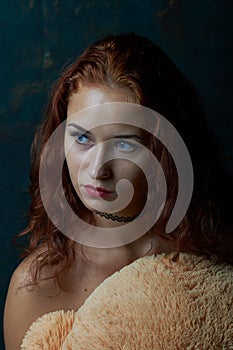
[{"x": 97, "y": 192}]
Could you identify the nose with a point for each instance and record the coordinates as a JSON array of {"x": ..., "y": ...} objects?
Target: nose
[{"x": 99, "y": 167}]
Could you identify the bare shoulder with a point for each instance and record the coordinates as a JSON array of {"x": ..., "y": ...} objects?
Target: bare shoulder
[{"x": 23, "y": 305}]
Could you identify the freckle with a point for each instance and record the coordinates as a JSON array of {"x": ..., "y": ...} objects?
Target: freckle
[{"x": 85, "y": 289}]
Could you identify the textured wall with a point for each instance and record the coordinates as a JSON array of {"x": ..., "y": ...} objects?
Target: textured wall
[{"x": 39, "y": 37}]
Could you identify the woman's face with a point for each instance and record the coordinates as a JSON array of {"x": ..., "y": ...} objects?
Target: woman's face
[{"x": 96, "y": 158}]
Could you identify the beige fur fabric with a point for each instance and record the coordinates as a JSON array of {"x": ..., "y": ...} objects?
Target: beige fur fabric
[
  {"x": 49, "y": 331},
  {"x": 153, "y": 303}
]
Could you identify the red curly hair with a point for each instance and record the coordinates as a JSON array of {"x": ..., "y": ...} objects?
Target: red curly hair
[{"x": 130, "y": 61}]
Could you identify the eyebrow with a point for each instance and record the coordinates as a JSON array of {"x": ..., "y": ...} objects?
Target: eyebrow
[
  {"x": 125, "y": 136},
  {"x": 76, "y": 126}
]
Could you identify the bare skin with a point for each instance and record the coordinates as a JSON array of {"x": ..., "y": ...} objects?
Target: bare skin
[{"x": 24, "y": 306}]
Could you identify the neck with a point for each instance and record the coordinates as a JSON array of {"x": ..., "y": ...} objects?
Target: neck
[
  {"x": 150, "y": 243},
  {"x": 119, "y": 256},
  {"x": 113, "y": 259}
]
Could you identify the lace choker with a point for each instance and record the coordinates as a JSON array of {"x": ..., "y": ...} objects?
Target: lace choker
[{"x": 116, "y": 217}]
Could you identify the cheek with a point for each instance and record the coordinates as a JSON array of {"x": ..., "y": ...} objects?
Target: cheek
[
  {"x": 136, "y": 176},
  {"x": 73, "y": 163},
  {"x": 139, "y": 181},
  {"x": 130, "y": 171}
]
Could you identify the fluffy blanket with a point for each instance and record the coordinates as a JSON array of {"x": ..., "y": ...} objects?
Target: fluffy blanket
[{"x": 153, "y": 303}]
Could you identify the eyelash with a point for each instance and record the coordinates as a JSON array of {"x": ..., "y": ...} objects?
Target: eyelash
[
  {"x": 129, "y": 144},
  {"x": 77, "y": 135},
  {"x": 89, "y": 142}
]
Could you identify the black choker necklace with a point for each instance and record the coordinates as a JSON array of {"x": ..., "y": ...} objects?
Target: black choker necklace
[{"x": 116, "y": 217}]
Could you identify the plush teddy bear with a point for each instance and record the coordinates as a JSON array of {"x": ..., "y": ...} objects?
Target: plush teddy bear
[{"x": 153, "y": 303}]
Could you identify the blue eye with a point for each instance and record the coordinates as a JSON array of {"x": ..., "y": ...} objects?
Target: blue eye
[
  {"x": 124, "y": 146},
  {"x": 82, "y": 139}
]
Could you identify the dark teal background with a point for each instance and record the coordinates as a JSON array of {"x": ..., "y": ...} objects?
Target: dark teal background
[{"x": 38, "y": 38}]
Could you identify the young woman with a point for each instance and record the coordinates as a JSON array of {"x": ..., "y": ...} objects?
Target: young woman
[{"x": 59, "y": 272}]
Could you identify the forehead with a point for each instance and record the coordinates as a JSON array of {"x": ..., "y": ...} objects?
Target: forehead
[
  {"x": 109, "y": 110},
  {"x": 105, "y": 120},
  {"x": 93, "y": 96}
]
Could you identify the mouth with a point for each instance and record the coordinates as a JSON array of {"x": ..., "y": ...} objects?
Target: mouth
[{"x": 96, "y": 192}]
